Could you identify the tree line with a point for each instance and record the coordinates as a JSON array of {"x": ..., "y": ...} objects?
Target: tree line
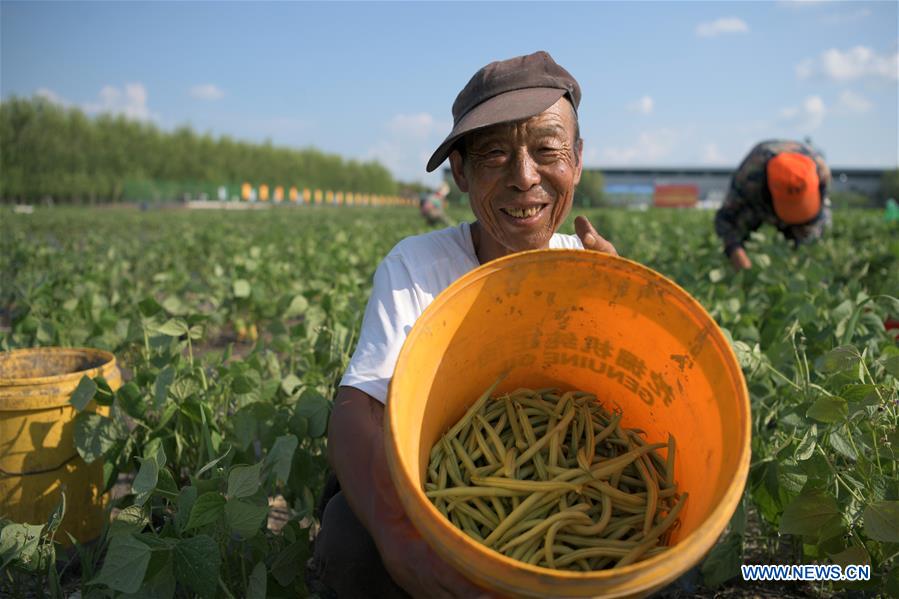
[{"x": 48, "y": 150}]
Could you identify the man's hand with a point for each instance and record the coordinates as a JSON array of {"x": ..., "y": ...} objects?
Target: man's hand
[
  {"x": 590, "y": 238},
  {"x": 417, "y": 568},
  {"x": 358, "y": 455},
  {"x": 739, "y": 259}
]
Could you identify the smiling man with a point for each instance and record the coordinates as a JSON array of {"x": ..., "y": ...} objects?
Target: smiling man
[{"x": 515, "y": 148}]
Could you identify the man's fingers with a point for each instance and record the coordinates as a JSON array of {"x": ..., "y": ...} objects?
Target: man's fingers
[{"x": 590, "y": 238}]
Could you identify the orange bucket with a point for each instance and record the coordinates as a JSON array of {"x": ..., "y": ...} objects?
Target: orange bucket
[{"x": 586, "y": 321}]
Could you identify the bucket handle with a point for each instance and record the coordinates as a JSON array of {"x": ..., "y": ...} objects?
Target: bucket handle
[{"x": 41, "y": 471}]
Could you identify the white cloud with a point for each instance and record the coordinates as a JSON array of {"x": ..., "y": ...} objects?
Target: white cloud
[
  {"x": 855, "y": 63},
  {"x": 712, "y": 155},
  {"x": 846, "y": 17},
  {"x": 51, "y": 96},
  {"x": 407, "y": 145},
  {"x": 802, "y": 3},
  {"x": 722, "y": 26},
  {"x": 416, "y": 126},
  {"x": 130, "y": 101},
  {"x": 649, "y": 147},
  {"x": 853, "y": 102},
  {"x": 643, "y": 105},
  {"x": 807, "y": 116},
  {"x": 207, "y": 91}
]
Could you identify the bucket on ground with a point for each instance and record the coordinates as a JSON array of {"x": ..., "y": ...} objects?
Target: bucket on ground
[
  {"x": 37, "y": 450},
  {"x": 585, "y": 321}
]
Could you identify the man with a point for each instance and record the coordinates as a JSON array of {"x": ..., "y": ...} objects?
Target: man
[
  {"x": 431, "y": 206},
  {"x": 783, "y": 183},
  {"x": 515, "y": 148}
]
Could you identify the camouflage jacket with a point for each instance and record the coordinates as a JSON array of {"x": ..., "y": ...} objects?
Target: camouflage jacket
[{"x": 748, "y": 203}]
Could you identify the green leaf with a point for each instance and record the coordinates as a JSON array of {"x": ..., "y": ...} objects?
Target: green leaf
[
  {"x": 173, "y": 327},
  {"x": 891, "y": 582},
  {"x": 298, "y": 305},
  {"x": 20, "y": 542},
  {"x": 853, "y": 393},
  {"x": 95, "y": 435},
  {"x": 154, "y": 449},
  {"x": 149, "y": 307},
  {"x": 129, "y": 521},
  {"x": 257, "y": 583},
  {"x": 841, "y": 445},
  {"x": 882, "y": 521},
  {"x": 131, "y": 400},
  {"x": 145, "y": 482},
  {"x": 243, "y": 384},
  {"x": 83, "y": 393},
  {"x": 807, "y": 445},
  {"x": 186, "y": 499},
  {"x": 212, "y": 463},
  {"x": 243, "y": 481},
  {"x": 208, "y": 508},
  {"x": 854, "y": 555},
  {"x": 891, "y": 365},
  {"x": 244, "y": 518},
  {"x": 792, "y": 480},
  {"x": 161, "y": 386},
  {"x": 159, "y": 582},
  {"x": 241, "y": 288},
  {"x": 841, "y": 358},
  {"x": 197, "y": 562},
  {"x": 166, "y": 484},
  {"x": 125, "y": 564},
  {"x": 809, "y": 513},
  {"x": 280, "y": 456},
  {"x": 315, "y": 409},
  {"x": 289, "y": 383},
  {"x": 723, "y": 562},
  {"x": 828, "y": 409},
  {"x": 57, "y": 515},
  {"x": 284, "y": 568}
]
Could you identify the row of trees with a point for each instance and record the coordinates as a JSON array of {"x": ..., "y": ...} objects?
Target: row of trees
[{"x": 50, "y": 150}]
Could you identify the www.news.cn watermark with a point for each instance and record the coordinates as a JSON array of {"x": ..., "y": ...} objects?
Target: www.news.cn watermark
[{"x": 809, "y": 572}]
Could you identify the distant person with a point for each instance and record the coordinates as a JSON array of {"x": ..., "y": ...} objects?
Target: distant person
[
  {"x": 432, "y": 206},
  {"x": 782, "y": 183}
]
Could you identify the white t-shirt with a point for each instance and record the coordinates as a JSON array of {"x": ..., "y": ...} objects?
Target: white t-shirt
[{"x": 415, "y": 271}]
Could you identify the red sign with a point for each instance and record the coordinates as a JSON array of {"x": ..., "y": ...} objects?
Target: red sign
[{"x": 675, "y": 196}]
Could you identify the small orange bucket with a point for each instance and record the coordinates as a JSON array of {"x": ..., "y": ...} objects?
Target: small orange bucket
[{"x": 586, "y": 321}]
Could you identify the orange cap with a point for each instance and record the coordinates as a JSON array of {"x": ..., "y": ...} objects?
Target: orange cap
[{"x": 793, "y": 182}]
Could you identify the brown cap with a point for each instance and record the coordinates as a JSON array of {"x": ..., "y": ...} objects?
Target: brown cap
[{"x": 506, "y": 91}]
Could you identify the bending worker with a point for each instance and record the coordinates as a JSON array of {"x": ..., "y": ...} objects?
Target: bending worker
[
  {"x": 515, "y": 148},
  {"x": 783, "y": 183}
]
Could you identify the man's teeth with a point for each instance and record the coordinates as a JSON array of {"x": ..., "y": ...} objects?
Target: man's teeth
[{"x": 523, "y": 212}]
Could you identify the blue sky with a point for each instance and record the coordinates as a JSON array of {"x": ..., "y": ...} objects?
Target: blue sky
[{"x": 664, "y": 83}]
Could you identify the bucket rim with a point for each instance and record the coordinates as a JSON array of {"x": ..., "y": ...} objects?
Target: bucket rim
[
  {"x": 108, "y": 358},
  {"x": 644, "y": 575}
]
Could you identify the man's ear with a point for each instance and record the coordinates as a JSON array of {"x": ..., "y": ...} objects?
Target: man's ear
[
  {"x": 458, "y": 167},
  {"x": 579, "y": 149}
]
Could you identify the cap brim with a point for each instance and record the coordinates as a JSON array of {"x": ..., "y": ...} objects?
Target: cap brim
[
  {"x": 505, "y": 108},
  {"x": 798, "y": 210}
]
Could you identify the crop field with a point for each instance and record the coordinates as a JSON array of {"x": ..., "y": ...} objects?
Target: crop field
[{"x": 232, "y": 331}]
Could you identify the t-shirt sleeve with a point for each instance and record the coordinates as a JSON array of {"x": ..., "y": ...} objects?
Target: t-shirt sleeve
[{"x": 391, "y": 311}]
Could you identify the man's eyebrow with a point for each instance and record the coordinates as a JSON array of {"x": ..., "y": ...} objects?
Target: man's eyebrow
[
  {"x": 549, "y": 129},
  {"x": 487, "y": 136}
]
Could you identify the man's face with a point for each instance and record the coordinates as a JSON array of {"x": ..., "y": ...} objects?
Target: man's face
[{"x": 520, "y": 177}]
